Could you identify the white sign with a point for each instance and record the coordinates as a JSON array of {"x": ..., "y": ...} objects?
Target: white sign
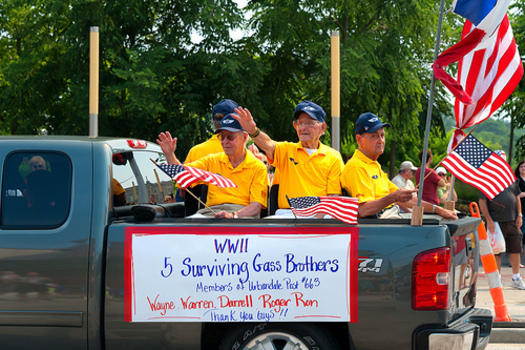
[{"x": 176, "y": 276}]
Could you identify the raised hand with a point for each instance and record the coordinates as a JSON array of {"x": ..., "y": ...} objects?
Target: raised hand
[{"x": 245, "y": 118}]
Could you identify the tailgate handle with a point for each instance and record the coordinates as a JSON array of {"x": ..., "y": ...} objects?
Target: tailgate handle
[{"x": 469, "y": 247}]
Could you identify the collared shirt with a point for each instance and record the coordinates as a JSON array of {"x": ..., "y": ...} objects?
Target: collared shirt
[
  {"x": 250, "y": 176},
  {"x": 211, "y": 146},
  {"x": 364, "y": 179},
  {"x": 400, "y": 182},
  {"x": 300, "y": 174}
]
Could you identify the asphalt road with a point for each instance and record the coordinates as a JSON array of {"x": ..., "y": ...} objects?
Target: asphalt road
[{"x": 499, "y": 346}]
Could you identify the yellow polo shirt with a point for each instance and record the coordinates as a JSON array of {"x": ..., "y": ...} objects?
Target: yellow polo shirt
[
  {"x": 211, "y": 146},
  {"x": 300, "y": 174},
  {"x": 250, "y": 176},
  {"x": 364, "y": 179}
]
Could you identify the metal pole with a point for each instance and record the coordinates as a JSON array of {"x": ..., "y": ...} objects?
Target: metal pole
[
  {"x": 336, "y": 97},
  {"x": 93, "y": 81},
  {"x": 429, "y": 111}
]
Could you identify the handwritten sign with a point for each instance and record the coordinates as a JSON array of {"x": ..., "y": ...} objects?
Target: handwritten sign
[{"x": 211, "y": 274}]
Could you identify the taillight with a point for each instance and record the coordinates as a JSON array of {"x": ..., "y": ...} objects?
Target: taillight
[{"x": 430, "y": 280}]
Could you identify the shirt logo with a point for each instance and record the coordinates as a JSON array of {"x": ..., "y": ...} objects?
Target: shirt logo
[
  {"x": 293, "y": 160},
  {"x": 375, "y": 177}
]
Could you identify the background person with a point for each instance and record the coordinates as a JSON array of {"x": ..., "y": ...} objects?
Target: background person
[
  {"x": 432, "y": 180},
  {"x": 406, "y": 172},
  {"x": 444, "y": 192},
  {"x": 520, "y": 175},
  {"x": 505, "y": 209}
]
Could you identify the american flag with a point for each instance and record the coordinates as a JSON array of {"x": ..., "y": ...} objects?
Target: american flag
[
  {"x": 186, "y": 175},
  {"x": 341, "y": 208},
  {"x": 489, "y": 67},
  {"x": 473, "y": 163}
]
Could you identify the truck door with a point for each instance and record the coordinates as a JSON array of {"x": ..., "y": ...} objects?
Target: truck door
[{"x": 44, "y": 237}]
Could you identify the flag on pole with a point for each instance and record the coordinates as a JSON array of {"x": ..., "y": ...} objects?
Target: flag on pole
[
  {"x": 186, "y": 175},
  {"x": 475, "y": 164},
  {"x": 341, "y": 208},
  {"x": 489, "y": 63},
  {"x": 489, "y": 76}
]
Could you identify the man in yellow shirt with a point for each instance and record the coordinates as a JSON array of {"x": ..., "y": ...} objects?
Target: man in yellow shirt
[
  {"x": 364, "y": 179},
  {"x": 234, "y": 163},
  {"x": 306, "y": 168},
  {"x": 210, "y": 146}
]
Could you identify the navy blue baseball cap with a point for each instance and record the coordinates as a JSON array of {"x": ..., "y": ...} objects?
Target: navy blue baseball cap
[
  {"x": 224, "y": 107},
  {"x": 310, "y": 108},
  {"x": 229, "y": 123},
  {"x": 369, "y": 123}
]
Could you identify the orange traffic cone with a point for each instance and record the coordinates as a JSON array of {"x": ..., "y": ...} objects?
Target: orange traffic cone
[{"x": 491, "y": 270}]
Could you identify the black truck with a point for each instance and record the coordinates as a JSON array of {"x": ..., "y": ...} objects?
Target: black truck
[{"x": 79, "y": 272}]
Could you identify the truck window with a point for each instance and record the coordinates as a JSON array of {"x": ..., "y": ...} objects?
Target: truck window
[
  {"x": 142, "y": 180},
  {"x": 36, "y": 188}
]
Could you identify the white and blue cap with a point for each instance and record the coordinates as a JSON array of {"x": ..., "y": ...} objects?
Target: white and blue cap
[
  {"x": 369, "y": 123},
  {"x": 312, "y": 109},
  {"x": 229, "y": 123}
]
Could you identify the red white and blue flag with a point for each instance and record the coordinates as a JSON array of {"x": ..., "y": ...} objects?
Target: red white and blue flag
[
  {"x": 186, "y": 175},
  {"x": 489, "y": 67},
  {"x": 473, "y": 163},
  {"x": 341, "y": 208}
]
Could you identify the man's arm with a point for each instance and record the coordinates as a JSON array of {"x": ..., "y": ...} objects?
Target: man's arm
[
  {"x": 261, "y": 139},
  {"x": 432, "y": 208},
  {"x": 485, "y": 211},
  {"x": 374, "y": 206},
  {"x": 168, "y": 146}
]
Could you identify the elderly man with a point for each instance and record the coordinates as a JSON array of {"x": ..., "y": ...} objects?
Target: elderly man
[
  {"x": 236, "y": 164},
  {"x": 210, "y": 146},
  {"x": 364, "y": 179},
  {"x": 306, "y": 168},
  {"x": 406, "y": 172}
]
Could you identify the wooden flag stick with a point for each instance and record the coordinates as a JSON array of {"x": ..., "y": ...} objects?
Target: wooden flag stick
[
  {"x": 194, "y": 196},
  {"x": 452, "y": 150}
]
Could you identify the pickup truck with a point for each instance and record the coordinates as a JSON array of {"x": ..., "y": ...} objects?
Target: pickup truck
[{"x": 70, "y": 262}]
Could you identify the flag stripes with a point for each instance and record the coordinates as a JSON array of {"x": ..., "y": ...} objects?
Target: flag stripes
[
  {"x": 341, "y": 208},
  {"x": 186, "y": 175},
  {"x": 475, "y": 164},
  {"x": 488, "y": 76}
]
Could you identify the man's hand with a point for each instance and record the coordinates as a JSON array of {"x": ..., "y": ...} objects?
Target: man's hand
[
  {"x": 167, "y": 143},
  {"x": 403, "y": 195},
  {"x": 519, "y": 221},
  {"x": 446, "y": 214},
  {"x": 223, "y": 215},
  {"x": 490, "y": 226},
  {"x": 245, "y": 118}
]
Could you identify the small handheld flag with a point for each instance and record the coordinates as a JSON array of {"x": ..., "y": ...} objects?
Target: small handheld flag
[
  {"x": 186, "y": 175},
  {"x": 341, "y": 208},
  {"x": 475, "y": 164}
]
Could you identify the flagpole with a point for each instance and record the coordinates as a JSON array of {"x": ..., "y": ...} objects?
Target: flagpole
[
  {"x": 288, "y": 199},
  {"x": 417, "y": 212}
]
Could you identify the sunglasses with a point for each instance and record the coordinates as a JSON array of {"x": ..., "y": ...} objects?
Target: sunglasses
[{"x": 229, "y": 137}]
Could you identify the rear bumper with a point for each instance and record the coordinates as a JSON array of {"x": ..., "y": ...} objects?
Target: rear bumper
[{"x": 470, "y": 332}]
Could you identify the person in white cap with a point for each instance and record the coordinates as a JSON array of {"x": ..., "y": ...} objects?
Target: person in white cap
[
  {"x": 444, "y": 192},
  {"x": 406, "y": 172}
]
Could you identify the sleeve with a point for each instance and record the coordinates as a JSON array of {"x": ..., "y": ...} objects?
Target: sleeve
[
  {"x": 333, "y": 181},
  {"x": 434, "y": 177},
  {"x": 358, "y": 184},
  {"x": 279, "y": 156},
  {"x": 259, "y": 186}
]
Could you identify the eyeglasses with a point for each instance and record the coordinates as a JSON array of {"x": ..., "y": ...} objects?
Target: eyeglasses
[
  {"x": 37, "y": 166},
  {"x": 307, "y": 124},
  {"x": 229, "y": 137}
]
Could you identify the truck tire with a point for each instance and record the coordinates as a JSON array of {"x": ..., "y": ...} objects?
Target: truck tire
[{"x": 278, "y": 336}]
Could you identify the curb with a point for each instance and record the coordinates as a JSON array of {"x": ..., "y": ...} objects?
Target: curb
[{"x": 508, "y": 332}]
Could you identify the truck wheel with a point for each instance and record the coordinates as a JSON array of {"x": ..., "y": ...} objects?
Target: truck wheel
[{"x": 278, "y": 336}]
